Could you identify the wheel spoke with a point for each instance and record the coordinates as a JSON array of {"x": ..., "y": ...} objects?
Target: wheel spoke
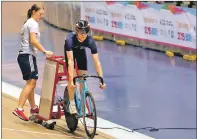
[{"x": 90, "y": 120}]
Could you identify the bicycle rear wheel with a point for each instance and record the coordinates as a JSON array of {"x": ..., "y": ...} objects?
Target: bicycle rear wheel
[{"x": 89, "y": 111}]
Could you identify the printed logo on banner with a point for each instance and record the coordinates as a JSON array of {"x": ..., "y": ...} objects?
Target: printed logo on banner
[
  {"x": 185, "y": 26},
  {"x": 166, "y": 23},
  {"x": 89, "y": 10},
  {"x": 116, "y": 24},
  {"x": 184, "y": 36},
  {"x": 106, "y": 22},
  {"x": 116, "y": 15},
  {"x": 162, "y": 33},
  {"x": 172, "y": 34},
  {"x": 167, "y": 34},
  {"x": 103, "y": 21},
  {"x": 154, "y": 31},
  {"x": 194, "y": 28},
  {"x": 113, "y": 24},
  {"x": 147, "y": 30},
  {"x": 150, "y": 20},
  {"x": 99, "y": 21},
  {"x": 101, "y": 12},
  {"x": 87, "y": 18},
  {"x": 128, "y": 26},
  {"x": 188, "y": 37},
  {"x": 128, "y": 16},
  {"x": 151, "y": 31},
  {"x": 120, "y": 25},
  {"x": 182, "y": 25},
  {"x": 181, "y": 36},
  {"x": 133, "y": 26},
  {"x": 90, "y": 19}
]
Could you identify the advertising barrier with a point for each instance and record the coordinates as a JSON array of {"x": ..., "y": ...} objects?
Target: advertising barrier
[{"x": 156, "y": 23}]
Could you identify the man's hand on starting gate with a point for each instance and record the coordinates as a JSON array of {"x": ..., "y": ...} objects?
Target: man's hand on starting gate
[{"x": 49, "y": 54}]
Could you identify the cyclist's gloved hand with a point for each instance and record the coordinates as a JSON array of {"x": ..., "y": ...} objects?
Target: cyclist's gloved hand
[{"x": 102, "y": 86}]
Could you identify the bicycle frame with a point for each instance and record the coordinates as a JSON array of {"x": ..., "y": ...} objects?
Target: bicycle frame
[{"x": 79, "y": 103}]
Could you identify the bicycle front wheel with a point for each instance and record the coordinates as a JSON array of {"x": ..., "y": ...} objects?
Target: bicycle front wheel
[
  {"x": 71, "y": 120},
  {"x": 89, "y": 117}
]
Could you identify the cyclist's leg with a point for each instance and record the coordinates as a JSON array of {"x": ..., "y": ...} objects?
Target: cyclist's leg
[
  {"x": 70, "y": 90},
  {"x": 81, "y": 59},
  {"x": 72, "y": 106},
  {"x": 81, "y": 72}
]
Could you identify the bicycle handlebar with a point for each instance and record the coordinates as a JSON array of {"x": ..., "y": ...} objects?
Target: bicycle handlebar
[{"x": 86, "y": 76}]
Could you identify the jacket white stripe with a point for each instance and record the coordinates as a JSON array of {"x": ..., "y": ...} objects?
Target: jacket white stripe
[{"x": 31, "y": 63}]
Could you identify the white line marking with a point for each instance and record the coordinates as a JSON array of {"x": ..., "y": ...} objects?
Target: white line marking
[
  {"x": 28, "y": 131},
  {"x": 42, "y": 133}
]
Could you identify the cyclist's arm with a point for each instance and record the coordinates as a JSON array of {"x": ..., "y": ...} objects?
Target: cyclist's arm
[
  {"x": 97, "y": 65},
  {"x": 70, "y": 65},
  {"x": 69, "y": 54},
  {"x": 95, "y": 56}
]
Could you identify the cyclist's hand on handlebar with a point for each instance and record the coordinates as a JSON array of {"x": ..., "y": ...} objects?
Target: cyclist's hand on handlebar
[
  {"x": 49, "y": 54},
  {"x": 102, "y": 86}
]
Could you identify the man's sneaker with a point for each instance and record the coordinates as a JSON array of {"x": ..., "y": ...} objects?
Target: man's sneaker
[
  {"x": 20, "y": 114},
  {"x": 33, "y": 111},
  {"x": 72, "y": 109}
]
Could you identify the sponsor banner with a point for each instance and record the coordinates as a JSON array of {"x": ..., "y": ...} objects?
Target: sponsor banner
[{"x": 154, "y": 22}]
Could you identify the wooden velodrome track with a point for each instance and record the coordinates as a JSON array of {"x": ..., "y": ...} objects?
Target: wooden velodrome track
[{"x": 13, "y": 127}]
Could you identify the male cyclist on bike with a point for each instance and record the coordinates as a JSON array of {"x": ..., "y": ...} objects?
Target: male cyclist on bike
[{"x": 74, "y": 46}]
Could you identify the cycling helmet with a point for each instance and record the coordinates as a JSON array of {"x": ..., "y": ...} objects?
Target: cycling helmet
[{"x": 82, "y": 26}]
